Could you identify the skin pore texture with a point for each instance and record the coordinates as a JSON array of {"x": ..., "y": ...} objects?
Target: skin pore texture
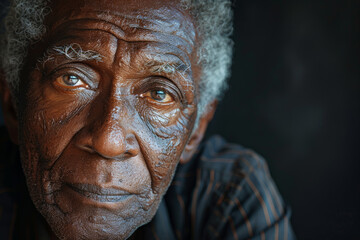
[{"x": 100, "y": 137}]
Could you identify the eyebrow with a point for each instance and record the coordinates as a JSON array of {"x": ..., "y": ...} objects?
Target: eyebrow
[
  {"x": 167, "y": 67},
  {"x": 72, "y": 51}
]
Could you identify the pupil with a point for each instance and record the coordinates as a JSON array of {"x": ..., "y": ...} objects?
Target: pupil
[
  {"x": 70, "y": 80},
  {"x": 158, "y": 95}
]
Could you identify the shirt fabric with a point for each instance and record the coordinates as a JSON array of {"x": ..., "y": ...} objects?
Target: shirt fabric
[{"x": 224, "y": 192}]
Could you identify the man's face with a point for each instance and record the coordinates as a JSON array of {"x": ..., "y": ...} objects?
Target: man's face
[{"x": 102, "y": 129}]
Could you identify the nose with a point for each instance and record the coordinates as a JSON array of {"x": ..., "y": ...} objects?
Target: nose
[{"x": 109, "y": 132}]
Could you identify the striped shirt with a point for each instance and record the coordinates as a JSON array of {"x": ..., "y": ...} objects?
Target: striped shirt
[{"x": 224, "y": 192}]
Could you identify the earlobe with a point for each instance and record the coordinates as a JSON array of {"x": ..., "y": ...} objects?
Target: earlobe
[
  {"x": 198, "y": 133},
  {"x": 8, "y": 109}
]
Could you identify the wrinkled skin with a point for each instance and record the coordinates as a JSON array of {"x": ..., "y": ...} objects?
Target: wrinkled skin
[{"x": 100, "y": 139}]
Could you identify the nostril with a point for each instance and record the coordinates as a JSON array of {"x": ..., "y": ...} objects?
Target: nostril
[
  {"x": 130, "y": 153},
  {"x": 132, "y": 145},
  {"x": 127, "y": 154}
]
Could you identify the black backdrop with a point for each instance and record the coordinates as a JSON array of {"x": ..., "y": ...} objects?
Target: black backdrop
[{"x": 294, "y": 98}]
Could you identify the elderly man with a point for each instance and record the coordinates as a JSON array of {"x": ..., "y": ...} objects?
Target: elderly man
[{"x": 102, "y": 101}]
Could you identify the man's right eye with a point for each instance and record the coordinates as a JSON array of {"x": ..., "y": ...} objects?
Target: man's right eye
[{"x": 70, "y": 81}]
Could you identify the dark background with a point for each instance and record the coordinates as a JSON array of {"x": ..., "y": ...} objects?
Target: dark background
[{"x": 294, "y": 98}]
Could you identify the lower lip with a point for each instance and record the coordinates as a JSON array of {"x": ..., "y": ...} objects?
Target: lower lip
[{"x": 101, "y": 198}]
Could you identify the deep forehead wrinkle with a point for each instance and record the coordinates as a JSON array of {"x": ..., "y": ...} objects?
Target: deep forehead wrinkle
[
  {"x": 135, "y": 28},
  {"x": 154, "y": 21},
  {"x": 135, "y": 35}
]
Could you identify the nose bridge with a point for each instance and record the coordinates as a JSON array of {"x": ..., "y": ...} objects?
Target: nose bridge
[
  {"x": 115, "y": 109},
  {"x": 112, "y": 133}
]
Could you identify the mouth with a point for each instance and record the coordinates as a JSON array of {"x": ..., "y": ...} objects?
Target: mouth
[{"x": 100, "y": 194}]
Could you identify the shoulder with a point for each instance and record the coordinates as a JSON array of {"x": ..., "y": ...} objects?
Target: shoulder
[
  {"x": 234, "y": 195},
  {"x": 231, "y": 160}
]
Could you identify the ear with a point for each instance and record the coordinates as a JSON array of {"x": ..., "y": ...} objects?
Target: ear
[
  {"x": 8, "y": 108},
  {"x": 198, "y": 134}
]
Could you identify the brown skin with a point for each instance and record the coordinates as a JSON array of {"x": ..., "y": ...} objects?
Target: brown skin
[{"x": 100, "y": 140}]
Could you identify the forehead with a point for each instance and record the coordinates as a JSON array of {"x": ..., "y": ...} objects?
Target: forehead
[{"x": 146, "y": 20}]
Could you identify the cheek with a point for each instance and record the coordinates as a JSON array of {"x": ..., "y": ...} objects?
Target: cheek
[
  {"x": 165, "y": 140},
  {"x": 49, "y": 122}
]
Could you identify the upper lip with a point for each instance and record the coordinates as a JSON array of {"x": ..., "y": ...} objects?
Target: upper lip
[{"x": 98, "y": 190}]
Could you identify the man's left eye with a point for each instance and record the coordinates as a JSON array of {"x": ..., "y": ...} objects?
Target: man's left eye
[
  {"x": 70, "y": 81},
  {"x": 159, "y": 96}
]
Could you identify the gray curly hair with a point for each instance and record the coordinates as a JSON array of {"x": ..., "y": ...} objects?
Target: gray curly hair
[{"x": 24, "y": 26}]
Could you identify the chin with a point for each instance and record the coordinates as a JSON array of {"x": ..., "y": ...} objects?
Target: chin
[
  {"x": 86, "y": 221},
  {"x": 80, "y": 226},
  {"x": 85, "y": 230}
]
